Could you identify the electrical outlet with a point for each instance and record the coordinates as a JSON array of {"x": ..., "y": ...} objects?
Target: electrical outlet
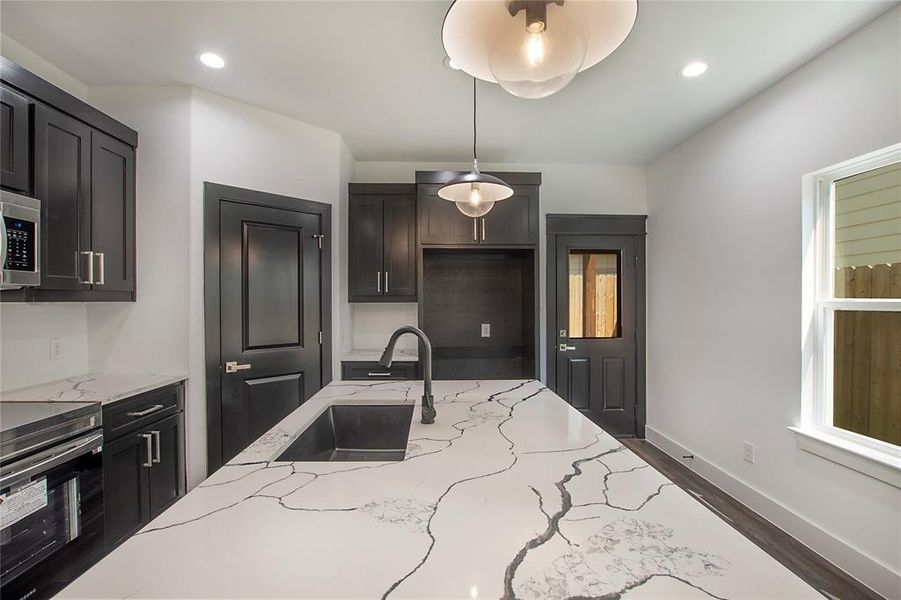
[
  {"x": 56, "y": 348},
  {"x": 486, "y": 330},
  {"x": 749, "y": 453}
]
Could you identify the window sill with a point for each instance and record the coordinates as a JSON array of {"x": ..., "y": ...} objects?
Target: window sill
[{"x": 879, "y": 465}]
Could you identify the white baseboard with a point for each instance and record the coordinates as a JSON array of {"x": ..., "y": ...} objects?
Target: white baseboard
[{"x": 862, "y": 567}]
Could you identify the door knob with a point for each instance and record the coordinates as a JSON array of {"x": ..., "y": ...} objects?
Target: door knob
[
  {"x": 565, "y": 348},
  {"x": 232, "y": 366}
]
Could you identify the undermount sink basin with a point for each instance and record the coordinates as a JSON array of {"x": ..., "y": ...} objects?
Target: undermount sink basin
[{"x": 354, "y": 433}]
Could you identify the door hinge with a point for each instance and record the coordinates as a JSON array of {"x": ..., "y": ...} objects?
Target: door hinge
[
  {"x": 319, "y": 237},
  {"x": 320, "y": 338}
]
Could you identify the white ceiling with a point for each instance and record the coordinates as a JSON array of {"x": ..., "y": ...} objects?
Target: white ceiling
[{"x": 373, "y": 71}]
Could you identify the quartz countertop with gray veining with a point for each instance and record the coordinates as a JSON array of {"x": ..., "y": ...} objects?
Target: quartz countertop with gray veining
[
  {"x": 375, "y": 355},
  {"x": 96, "y": 387},
  {"x": 511, "y": 493}
]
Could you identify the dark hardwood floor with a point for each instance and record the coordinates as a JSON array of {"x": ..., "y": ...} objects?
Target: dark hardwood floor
[{"x": 828, "y": 579}]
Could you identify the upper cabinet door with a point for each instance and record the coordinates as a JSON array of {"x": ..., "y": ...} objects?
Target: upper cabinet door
[
  {"x": 62, "y": 173},
  {"x": 440, "y": 222},
  {"x": 512, "y": 221},
  {"x": 112, "y": 213},
  {"x": 366, "y": 277},
  {"x": 15, "y": 143},
  {"x": 399, "y": 262}
]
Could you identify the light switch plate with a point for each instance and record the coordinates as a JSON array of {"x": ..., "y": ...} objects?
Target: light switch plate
[
  {"x": 56, "y": 348},
  {"x": 486, "y": 330}
]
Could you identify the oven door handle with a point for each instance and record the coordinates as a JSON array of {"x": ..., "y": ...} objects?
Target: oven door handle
[{"x": 25, "y": 469}]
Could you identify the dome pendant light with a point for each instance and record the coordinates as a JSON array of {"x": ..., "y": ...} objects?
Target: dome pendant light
[
  {"x": 475, "y": 193},
  {"x": 534, "y": 48}
]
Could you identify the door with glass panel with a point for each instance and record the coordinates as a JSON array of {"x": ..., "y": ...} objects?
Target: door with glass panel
[{"x": 596, "y": 320}]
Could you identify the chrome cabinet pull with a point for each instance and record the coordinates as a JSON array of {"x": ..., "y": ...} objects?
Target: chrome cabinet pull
[
  {"x": 379, "y": 374},
  {"x": 386, "y": 282},
  {"x": 90, "y": 257},
  {"x": 378, "y": 281},
  {"x": 145, "y": 412},
  {"x": 483, "y": 229},
  {"x": 148, "y": 447},
  {"x": 232, "y": 366},
  {"x": 156, "y": 440},
  {"x": 475, "y": 231},
  {"x": 102, "y": 267}
]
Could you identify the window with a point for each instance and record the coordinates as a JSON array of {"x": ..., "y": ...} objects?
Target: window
[
  {"x": 593, "y": 294},
  {"x": 852, "y": 293}
]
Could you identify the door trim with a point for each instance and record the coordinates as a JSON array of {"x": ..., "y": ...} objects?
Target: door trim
[
  {"x": 212, "y": 194},
  {"x": 619, "y": 225}
]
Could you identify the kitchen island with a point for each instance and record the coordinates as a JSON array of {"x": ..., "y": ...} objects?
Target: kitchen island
[{"x": 511, "y": 493}]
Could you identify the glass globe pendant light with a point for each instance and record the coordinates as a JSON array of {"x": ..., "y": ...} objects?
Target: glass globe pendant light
[
  {"x": 534, "y": 48},
  {"x": 475, "y": 193},
  {"x": 536, "y": 58}
]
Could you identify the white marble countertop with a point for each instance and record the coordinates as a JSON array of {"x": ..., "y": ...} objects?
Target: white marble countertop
[
  {"x": 98, "y": 387},
  {"x": 511, "y": 493},
  {"x": 375, "y": 355}
]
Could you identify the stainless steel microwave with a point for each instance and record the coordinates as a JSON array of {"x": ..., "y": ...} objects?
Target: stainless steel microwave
[{"x": 20, "y": 241}]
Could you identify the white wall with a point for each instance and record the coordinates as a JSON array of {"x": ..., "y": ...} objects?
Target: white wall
[
  {"x": 237, "y": 144},
  {"x": 724, "y": 286},
  {"x": 565, "y": 188},
  {"x": 151, "y": 334},
  {"x": 26, "y": 330}
]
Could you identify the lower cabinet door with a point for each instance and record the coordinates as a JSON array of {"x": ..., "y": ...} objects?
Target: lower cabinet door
[
  {"x": 125, "y": 486},
  {"x": 164, "y": 477}
]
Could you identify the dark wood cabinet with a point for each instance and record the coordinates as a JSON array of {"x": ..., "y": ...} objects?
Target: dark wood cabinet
[
  {"x": 373, "y": 371},
  {"x": 513, "y": 221},
  {"x": 164, "y": 477},
  {"x": 62, "y": 182},
  {"x": 440, "y": 222},
  {"x": 382, "y": 243},
  {"x": 124, "y": 488},
  {"x": 143, "y": 460},
  {"x": 113, "y": 213},
  {"x": 15, "y": 141},
  {"x": 80, "y": 164}
]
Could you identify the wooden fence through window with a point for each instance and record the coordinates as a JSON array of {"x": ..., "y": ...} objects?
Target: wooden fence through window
[{"x": 867, "y": 368}]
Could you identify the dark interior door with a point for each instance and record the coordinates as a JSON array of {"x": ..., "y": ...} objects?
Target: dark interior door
[
  {"x": 270, "y": 319},
  {"x": 596, "y": 335}
]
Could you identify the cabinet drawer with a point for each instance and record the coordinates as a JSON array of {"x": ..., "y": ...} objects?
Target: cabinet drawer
[
  {"x": 372, "y": 371},
  {"x": 131, "y": 414}
]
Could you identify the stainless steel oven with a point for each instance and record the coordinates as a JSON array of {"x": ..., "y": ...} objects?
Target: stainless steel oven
[
  {"x": 51, "y": 496},
  {"x": 20, "y": 241}
]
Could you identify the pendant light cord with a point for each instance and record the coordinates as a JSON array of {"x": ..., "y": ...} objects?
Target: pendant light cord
[{"x": 474, "y": 156}]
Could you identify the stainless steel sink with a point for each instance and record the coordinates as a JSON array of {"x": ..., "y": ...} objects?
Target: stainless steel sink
[{"x": 354, "y": 433}]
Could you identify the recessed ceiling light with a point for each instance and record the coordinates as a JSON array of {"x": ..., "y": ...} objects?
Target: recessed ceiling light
[
  {"x": 693, "y": 69},
  {"x": 450, "y": 64},
  {"x": 212, "y": 60}
]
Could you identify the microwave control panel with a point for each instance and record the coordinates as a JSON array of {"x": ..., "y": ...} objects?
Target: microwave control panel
[{"x": 21, "y": 247}]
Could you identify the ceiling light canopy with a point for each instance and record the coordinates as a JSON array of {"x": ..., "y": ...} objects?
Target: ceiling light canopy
[
  {"x": 475, "y": 193},
  {"x": 211, "y": 60},
  {"x": 693, "y": 69},
  {"x": 534, "y": 48}
]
